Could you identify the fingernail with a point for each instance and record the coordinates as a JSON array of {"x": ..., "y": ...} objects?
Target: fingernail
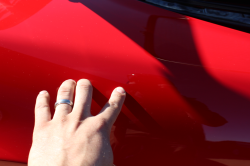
[
  {"x": 120, "y": 90},
  {"x": 43, "y": 92},
  {"x": 71, "y": 80}
]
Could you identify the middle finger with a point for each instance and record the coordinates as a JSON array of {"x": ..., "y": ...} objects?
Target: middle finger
[{"x": 82, "y": 99}]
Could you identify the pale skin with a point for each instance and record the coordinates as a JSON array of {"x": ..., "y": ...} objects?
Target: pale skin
[{"x": 73, "y": 137}]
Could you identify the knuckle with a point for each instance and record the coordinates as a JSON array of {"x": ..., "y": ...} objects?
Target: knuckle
[
  {"x": 60, "y": 122},
  {"x": 118, "y": 95},
  {"x": 101, "y": 123},
  {"x": 84, "y": 86},
  {"x": 66, "y": 87},
  {"x": 64, "y": 120},
  {"x": 64, "y": 90},
  {"x": 113, "y": 104},
  {"x": 41, "y": 106}
]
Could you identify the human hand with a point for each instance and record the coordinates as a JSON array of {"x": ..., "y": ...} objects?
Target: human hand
[{"x": 73, "y": 137}]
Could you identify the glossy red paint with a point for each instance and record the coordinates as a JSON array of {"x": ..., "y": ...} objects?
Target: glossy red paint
[
  {"x": 16, "y": 11},
  {"x": 227, "y": 57},
  {"x": 164, "y": 60}
]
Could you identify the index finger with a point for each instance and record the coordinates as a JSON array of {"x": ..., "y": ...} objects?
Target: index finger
[{"x": 113, "y": 107}]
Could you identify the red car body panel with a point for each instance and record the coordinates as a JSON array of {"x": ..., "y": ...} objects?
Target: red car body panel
[{"x": 187, "y": 80}]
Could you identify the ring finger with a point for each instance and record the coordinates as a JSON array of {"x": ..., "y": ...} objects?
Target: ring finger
[{"x": 65, "y": 91}]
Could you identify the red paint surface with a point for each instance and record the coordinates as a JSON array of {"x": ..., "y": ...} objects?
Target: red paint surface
[
  {"x": 226, "y": 56},
  {"x": 114, "y": 43}
]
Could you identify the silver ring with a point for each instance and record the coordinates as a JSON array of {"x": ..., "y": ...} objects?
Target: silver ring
[{"x": 64, "y": 101}]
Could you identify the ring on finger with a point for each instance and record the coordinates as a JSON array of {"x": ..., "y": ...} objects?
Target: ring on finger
[{"x": 63, "y": 101}]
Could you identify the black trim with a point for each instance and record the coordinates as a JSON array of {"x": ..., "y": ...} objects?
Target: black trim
[{"x": 227, "y": 23}]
